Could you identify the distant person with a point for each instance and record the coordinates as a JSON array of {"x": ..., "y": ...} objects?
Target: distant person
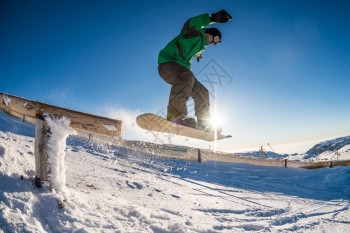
[{"x": 174, "y": 67}]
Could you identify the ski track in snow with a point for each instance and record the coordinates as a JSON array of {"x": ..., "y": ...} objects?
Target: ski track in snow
[{"x": 112, "y": 189}]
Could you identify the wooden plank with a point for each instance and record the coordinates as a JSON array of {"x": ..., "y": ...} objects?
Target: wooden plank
[
  {"x": 21, "y": 107},
  {"x": 42, "y": 135}
]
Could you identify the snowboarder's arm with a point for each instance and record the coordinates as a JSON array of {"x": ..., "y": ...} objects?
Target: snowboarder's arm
[
  {"x": 200, "y": 21},
  {"x": 204, "y": 20},
  {"x": 220, "y": 17}
]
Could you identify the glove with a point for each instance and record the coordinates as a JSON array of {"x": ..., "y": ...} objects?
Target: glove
[{"x": 220, "y": 17}]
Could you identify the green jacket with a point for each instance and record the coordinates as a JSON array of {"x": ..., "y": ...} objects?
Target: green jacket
[{"x": 189, "y": 44}]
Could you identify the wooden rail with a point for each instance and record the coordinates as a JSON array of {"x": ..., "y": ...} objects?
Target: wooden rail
[
  {"x": 30, "y": 110},
  {"x": 35, "y": 112}
]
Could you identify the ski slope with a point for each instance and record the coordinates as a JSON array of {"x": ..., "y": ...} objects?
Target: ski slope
[{"x": 112, "y": 189}]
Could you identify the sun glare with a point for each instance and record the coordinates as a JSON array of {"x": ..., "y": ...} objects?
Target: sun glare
[{"x": 216, "y": 120}]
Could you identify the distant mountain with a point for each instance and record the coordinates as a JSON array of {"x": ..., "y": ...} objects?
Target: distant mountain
[
  {"x": 266, "y": 154},
  {"x": 329, "y": 145},
  {"x": 330, "y": 150}
]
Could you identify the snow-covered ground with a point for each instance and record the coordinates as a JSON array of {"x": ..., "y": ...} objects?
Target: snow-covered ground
[{"x": 112, "y": 189}]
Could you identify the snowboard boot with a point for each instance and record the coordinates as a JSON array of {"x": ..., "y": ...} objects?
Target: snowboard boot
[
  {"x": 179, "y": 118},
  {"x": 187, "y": 121}
]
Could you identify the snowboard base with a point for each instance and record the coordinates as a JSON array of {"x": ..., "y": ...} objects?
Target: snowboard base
[{"x": 152, "y": 122}]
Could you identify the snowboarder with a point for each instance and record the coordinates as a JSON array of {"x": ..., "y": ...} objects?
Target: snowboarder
[{"x": 174, "y": 67}]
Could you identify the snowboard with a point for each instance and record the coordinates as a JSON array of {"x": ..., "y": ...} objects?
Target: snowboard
[{"x": 152, "y": 122}]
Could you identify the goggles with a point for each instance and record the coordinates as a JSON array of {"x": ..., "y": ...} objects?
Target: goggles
[{"x": 216, "y": 40}]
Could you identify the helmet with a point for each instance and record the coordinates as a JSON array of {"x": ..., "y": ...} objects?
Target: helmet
[{"x": 215, "y": 33}]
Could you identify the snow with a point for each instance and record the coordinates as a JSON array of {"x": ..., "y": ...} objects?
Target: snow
[
  {"x": 59, "y": 132},
  {"x": 110, "y": 127},
  {"x": 113, "y": 189},
  {"x": 6, "y": 100}
]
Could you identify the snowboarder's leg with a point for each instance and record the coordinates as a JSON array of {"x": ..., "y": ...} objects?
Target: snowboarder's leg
[
  {"x": 200, "y": 95},
  {"x": 182, "y": 80}
]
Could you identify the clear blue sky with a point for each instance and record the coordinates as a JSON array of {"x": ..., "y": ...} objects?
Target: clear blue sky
[{"x": 289, "y": 61}]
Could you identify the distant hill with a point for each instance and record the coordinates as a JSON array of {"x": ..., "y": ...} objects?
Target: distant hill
[
  {"x": 267, "y": 155},
  {"x": 334, "y": 149},
  {"x": 329, "y": 145}
]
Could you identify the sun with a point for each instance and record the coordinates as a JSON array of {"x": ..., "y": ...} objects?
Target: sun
[{"x": 216, "y": 120}]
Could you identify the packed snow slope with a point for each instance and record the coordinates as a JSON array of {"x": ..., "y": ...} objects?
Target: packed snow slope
[{"x": 112, "y": 189}]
